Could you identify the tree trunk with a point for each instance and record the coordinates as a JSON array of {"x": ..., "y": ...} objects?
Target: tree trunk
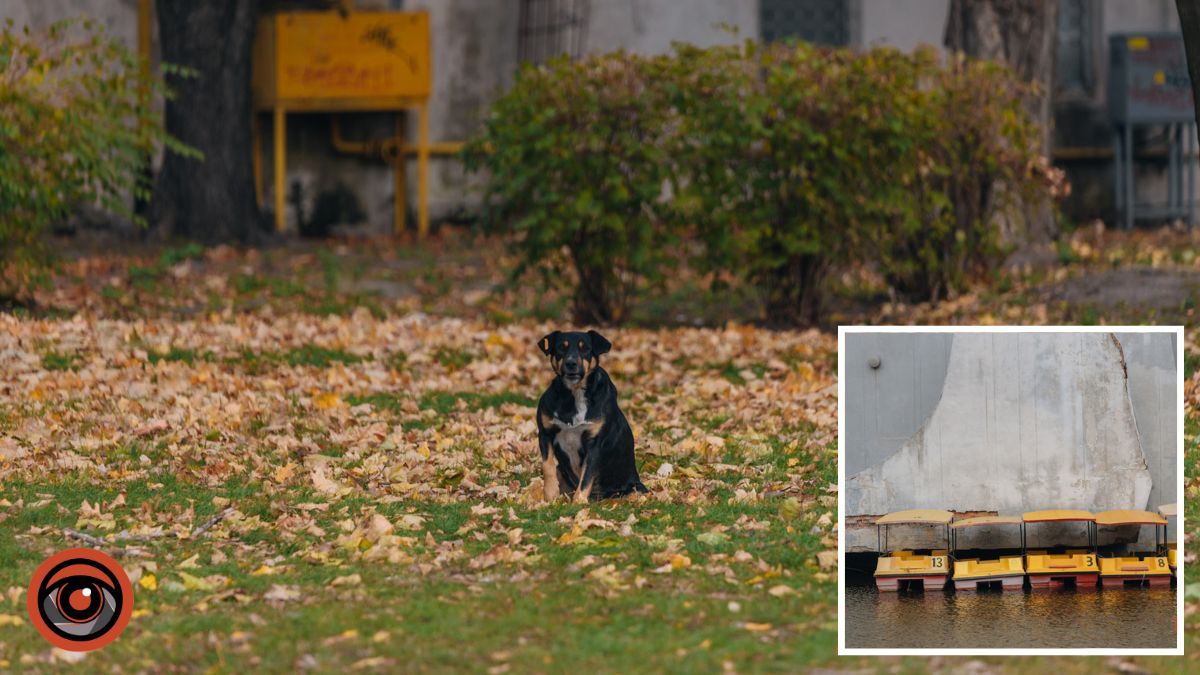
[
  {"x": 1020, "y": 34},
  {"x": 210, "y": 200},
  {"x": 1189, "y": 23}
]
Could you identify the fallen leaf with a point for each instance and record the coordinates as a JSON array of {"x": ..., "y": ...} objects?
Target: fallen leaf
[{"x": 281, "y": 593}]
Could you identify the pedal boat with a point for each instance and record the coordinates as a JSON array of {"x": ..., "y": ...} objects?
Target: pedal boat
[
  {"x": 1060, "y": 566},
  {"x": 971, "y": 574},
  {"x": 929, "y": 568},
  {"x": 1138, "y": 567},
  {"x": 1169, "y": 511}
]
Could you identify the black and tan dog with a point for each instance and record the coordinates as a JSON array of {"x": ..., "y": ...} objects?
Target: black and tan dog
[{"x": 586, "y": 442}]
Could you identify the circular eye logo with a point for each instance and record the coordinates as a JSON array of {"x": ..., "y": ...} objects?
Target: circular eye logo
[{"x": 80, "y": 599}]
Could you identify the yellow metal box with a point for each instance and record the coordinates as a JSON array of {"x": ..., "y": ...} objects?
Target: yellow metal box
[{"x": 326, "y": 61}]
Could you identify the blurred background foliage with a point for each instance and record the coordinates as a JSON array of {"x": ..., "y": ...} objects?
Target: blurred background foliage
[{"x": 76, "y": 129}]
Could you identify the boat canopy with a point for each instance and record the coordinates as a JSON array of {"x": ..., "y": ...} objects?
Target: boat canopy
[
  {"x": 1169, "y": 510},
  {"x": 1127, "y": 517},
  {"x": 916, "y": 516},
  {"x": 1057, "y": 515},
  {"x": 981, "y": 521}
]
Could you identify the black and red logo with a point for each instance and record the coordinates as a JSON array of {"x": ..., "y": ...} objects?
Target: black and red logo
[{"x": 80, "y": 599}]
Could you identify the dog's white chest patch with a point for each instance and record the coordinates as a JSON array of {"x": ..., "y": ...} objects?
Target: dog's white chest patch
[
  {"x": 580, "y": 406},
  {"x": 570, "y": 434}
]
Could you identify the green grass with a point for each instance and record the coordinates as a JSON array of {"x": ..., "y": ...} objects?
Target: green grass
[
  {"x": 456, "y": 617},
  {"x": 451, "y": 358},
  {"x": 445, "y": 401},
  {"x": 1190, "y": 361},
  {"x": 318, "y": 357},
  {"x": 60, "y": 361},
  {"x": 178, "y": 355}
]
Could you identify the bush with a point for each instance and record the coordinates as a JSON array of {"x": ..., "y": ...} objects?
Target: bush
[
  {"x": 577, "y": 170},
  {"x": 74, "y": 129},
  {"x": 973, "y": 167},
  {"x": 786, "y": 162}
]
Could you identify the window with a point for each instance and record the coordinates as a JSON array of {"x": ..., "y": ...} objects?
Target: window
[{"x": 824, "y": 22}]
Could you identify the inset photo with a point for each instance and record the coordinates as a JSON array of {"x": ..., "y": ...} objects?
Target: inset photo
[{"x": 1010, "y": 490}]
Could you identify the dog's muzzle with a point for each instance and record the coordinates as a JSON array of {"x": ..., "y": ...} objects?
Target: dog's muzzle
[{"x": 572, "y": 372}]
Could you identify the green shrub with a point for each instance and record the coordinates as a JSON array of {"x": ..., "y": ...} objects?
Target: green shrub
[
  {"x": 796, "y": 160},
  {"x": 783, "y": 161},
  {"x": 786, "y": 162},
  {"x": 576, "y": 174},
  {"x": 973, "y": 167},
  {"x": 74, "y": 130}
]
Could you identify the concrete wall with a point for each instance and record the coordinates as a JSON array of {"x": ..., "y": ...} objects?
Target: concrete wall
[
  {"x": 1020, "y": 422},
  {"x": 892, "y": 400},
  {"x": 119, "y": 17},
  {"x": 650, "y": 26},
  {"x": 1153, "y": 379},
  {"x": 904, "y": 24}
]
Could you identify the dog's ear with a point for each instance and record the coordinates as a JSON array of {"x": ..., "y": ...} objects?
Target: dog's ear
[
  {"x": 547, "y": 342},
  {"x": 600, "y": 345}
]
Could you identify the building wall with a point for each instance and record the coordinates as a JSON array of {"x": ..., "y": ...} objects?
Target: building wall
[
  {"x": 475, "y": 59},
  {"x": 904, "y": 24},
  {"x": 891, "y": 401},
  {"x": 1008, "y": 423},
  {"x": 650, "y": 26},
  {"x": 119, "y": 17}
]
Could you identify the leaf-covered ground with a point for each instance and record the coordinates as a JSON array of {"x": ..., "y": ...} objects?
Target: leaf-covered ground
[{"x": 324, "y": 457}]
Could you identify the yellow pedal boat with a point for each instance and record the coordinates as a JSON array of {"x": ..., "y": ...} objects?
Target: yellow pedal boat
[
  {"x": 971, "y": 573},
  {"x": 1169, "y": 511},
  {"x": 1061, "y": 566},
  {"x": 927, "y": 567},
  {"x": 1137, "y": 567}
]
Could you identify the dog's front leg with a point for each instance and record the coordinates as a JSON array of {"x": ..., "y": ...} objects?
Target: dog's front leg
[
  {"x": 550, "y": 488},
  {"x": 588, "y": 476}
]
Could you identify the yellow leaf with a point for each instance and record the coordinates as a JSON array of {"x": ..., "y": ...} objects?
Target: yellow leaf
[
  {"x": 283, "y": 473},
  {"x": 806, "y": 371},
  {"x": 10, "y": 620},
  {"x": 192, "y": 583},
  {"x": 263, "y": 570},
  {"x": 148, "y": 582},
  {"x": 568, "y": 537},
  {"x": 756, "y": 627},
  {"x": 327, "y": 400}
]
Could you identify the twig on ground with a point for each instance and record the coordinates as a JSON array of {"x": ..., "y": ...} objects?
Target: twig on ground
[
  {"x": 126, "y": 536},
  {"x": 211, "y": 521},
  {"x": 120, "y": 552}
]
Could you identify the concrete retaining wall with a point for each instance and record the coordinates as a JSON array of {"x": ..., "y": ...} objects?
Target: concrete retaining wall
[{"x": 1020, "y": 422}]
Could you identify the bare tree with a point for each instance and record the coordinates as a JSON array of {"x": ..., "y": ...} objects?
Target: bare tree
[
  {"x": 1020, "y": 34},
  {"x": 210, "y": 200}
]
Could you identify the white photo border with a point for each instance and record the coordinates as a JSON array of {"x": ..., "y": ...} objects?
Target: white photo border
[{"x": 1178, "y": 650}]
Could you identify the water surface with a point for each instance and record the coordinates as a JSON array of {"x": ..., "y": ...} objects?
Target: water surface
[{"x": 1119, "y": 617}]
